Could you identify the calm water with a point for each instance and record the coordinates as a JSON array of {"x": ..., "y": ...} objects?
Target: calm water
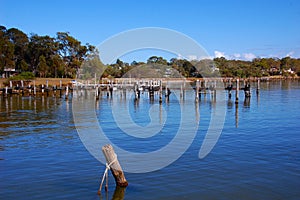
[{"x": 256, "y": 157}]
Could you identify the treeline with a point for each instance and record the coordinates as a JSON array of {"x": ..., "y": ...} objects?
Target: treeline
[
  {"x": 44, "y": 56},
  {"x": 65, "y": 56},
  {"x": 258, "y": 67}
]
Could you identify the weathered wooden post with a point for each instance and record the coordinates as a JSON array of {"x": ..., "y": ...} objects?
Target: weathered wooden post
[
  {"x": 237, "y": 91},
  {"x": 17, "y": 88},
  {"x": 197, "y": 91},
  {"x": 138, "y": 90},
  {"x": 113, "y": 164},
  {"x": 22, "y": 87},
  {"x": 111, "y": 89},
  {"x": 34, "y": 88},
  {"x": 29, "y": 89},
  {"x": 229, "y": 89},
  {"x": 43, "y": 88},
  {"x": 181, "y": 91},
  {"x": 247, "y": 90},
  {"x": 200, "y": 89},
  {"x": 107, "y": 89},
  {"x": 151, "y": 91},
  {"x": 160, "y": 91},
  {"x": 6, "y": 91},
  {"x": 67, "y": 92},
  {"x": 97, "y": 93},
  {"x": 60, "y": 92},
  {"x": 205, "y": 85},
  {"x": 215, "y": 90},
  {"x": 166, "y": 89}
]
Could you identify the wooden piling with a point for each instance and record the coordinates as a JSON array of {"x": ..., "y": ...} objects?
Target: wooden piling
[
  {"x": 6, "y": 91},
  {"x": 67, "y": 93},
  {"x": 97, "y": 92},
  {"x": 258, "y": 86},
  {"x": 160, "y": 91},
  {"x": 197, "y": 91},
  {"x": 181, "y": 91},
  {"x": 114, "y": 165},
  {"x": 34, "y": 88},
  {"x": 237, "y": 91},
  {"x": 229, "y": 89}
]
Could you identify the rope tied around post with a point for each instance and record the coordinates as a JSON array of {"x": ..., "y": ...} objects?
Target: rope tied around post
[
  {"x": 114, "y": 166},
  {"x": 105, "y": 174}
]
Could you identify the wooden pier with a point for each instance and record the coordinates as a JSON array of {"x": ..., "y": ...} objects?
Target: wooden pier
[{"x": 161, "y": 87}]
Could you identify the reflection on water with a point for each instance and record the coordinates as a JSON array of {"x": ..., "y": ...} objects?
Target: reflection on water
[{"x": 256, "y": 157}]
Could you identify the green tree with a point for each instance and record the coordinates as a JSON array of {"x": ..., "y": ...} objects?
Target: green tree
[
  {"x": 72, "y": 52},
  {"x": 42, "y": 67},
  {"x": 157, "y": 60},
  {"x": 6, "y": 51},
  {"x": 20, "y": 42},
  {"x": 45, "y": 46},
  {"x": 92, "y": 66}
]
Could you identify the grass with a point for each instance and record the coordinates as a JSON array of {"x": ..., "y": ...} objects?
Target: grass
[{"x": 40, "y": 81}]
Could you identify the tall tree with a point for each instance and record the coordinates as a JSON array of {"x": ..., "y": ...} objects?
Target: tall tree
[
  {"x": 6, "y": 50},
  {"x": 20, "y": 42},
  {"x": 40, "y": 46},
  {"x": 72, "y": 52}
]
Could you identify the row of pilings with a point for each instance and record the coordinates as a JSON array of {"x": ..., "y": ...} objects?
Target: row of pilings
[
  {"x": 37, "y": 90},
  {"x": 160, "y": 87}
]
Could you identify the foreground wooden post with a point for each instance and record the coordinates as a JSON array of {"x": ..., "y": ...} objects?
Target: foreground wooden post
[{"x": 113, "y": 164}]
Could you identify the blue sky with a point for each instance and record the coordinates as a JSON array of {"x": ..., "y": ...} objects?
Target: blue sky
[{"x": 234, "y": 29}]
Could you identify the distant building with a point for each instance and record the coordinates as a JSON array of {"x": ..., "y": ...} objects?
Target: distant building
[
  {"x": 8, "y": 72},
  {"x": 289, "y": 71}
]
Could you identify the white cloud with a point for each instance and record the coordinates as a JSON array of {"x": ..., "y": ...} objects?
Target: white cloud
[
  {"x": 249, "y": 56},
  {"x": 219, "y": 54},
  {"x": 236, "y": 55}
]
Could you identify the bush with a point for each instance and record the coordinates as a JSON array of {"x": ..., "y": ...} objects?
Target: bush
[{"x": 23, "y": 76}]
